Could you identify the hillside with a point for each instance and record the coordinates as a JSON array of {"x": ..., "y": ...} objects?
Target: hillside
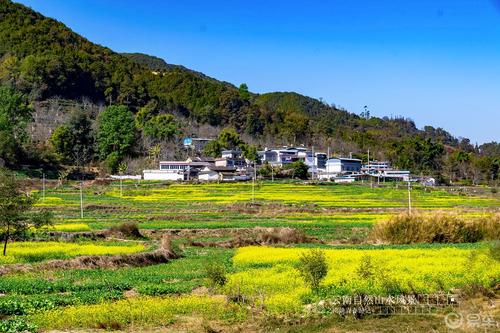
[{"x": 43, "y": 59}]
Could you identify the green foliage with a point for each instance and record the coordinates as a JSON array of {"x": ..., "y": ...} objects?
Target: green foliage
[
  {"x": 216, "y": 274},
  {"x": 73, "y": 142},
  {"x": 417, "y": 154},
  {"x": 299, "y": 169},
  {"x": 213, "y": 149},
  {"x": 112, "y": 162},
  {"x": 228, "y": 138},
  {"x": 243, "y": 91},
  {"x": 366, "y": 268},
  {"x": 115, "y": 131},
  {"x": 15, "y": 206},
  {"x": 14, "y": 115},
  {"x": 250, "y": 153},
  {"x": 17, "y": 325},
  {"x": 161, "y": 127},
  {"x": 313, "y": 268},
  {"x": 41, "y": 58}
]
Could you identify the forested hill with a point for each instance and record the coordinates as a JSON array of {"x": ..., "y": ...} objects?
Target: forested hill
[{"x": 43, "y": 59}]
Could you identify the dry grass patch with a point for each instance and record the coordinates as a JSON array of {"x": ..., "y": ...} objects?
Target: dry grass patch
[{"x": 436, "y": 228}]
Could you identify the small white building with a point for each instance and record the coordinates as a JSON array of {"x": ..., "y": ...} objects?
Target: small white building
[
  {"x": 169, "y": 170},
  {"x": 162, "y": 175},
  {"x": 343, "y": 165},
  {"x": 208, "y": 175},
  {"x": 215, "y": 173}
]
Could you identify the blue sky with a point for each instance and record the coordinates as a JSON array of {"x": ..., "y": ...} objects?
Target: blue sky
[{"x": 435, "y": 61}]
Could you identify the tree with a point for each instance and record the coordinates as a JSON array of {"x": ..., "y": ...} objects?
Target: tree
[
  {"x": 213, "y": 149},
  {"x": 161, "y": 127},
  {"x": 74, "y": 141},
  {"x": 15, "y": 207},
  {"x": 250, "y": 153},
  {"x": 115, "y": 131},
  {"x": 14, "y": 116},
  {"x": 230, "y": 139},
  {"x": 243, "y": 91},
  {"x": 299, "y": 169},
  {"x": 313, "y": 267}
]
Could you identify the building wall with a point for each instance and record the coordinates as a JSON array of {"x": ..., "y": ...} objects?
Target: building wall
[
  {"x": 162, "y": 175},
  {"x": 213, "y": 176}
]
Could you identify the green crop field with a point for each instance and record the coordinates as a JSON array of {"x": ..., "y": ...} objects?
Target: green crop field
[{"x": 260, "y": 281}]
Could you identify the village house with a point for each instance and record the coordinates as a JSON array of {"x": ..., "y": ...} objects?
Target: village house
[
  {"x": 342, "y": 165},
  {"x": 217, "y": 173}
]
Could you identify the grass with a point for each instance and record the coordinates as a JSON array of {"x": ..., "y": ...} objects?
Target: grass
[
  {"x": 330, "y": 211},
  {"x": 132, "y": 298},
  {"x": 31, "y": 252},
  {"x": 51, "y": 289}
]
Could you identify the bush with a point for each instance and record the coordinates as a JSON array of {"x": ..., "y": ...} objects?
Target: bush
[
  {"x": 313, "y": 268},
  {"x": 495, "y": 250},
  {"x": 437, "y": 228},
  {"x": 127, "y": 229},
  {"x": 16, "y": 325},
  {"x": 112, "y": 162},
  {"x": 216, "y": 274},
  {"x": 366, "y": 268}
]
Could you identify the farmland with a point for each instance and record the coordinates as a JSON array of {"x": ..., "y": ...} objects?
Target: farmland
[{"x": 261, "y": 281}]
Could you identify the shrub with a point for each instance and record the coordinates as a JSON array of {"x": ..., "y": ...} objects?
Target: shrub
[
  {"x": 366, "y": 268},
  {"x": 313, "y": 268},
  {"x": 16, "y": 325},
  {"x": 127, "y": 229},
  {"x": 437, "y": 228},
  {"x": 495, "y": 250},
  {"x": 216, "y": 274}
]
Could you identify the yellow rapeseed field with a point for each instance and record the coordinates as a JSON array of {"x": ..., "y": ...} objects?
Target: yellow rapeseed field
[
  {"x": 21, "y": 252},
  {"x": 138, "y": 312},
  {"x": 270, "y": 276}
]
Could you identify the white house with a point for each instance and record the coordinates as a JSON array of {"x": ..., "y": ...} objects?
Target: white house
[
  {"x": 343, "y": 165},
  {"x": 169, "y": 170},
  {"x": 216, "y": 173}
]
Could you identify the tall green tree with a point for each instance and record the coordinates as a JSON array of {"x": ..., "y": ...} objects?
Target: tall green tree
[
  {"x": 15, "y": 209},
  {"x": 115, "y": 131},
  {"x": 14, "y": 116},
  {"x": 243, "y": 91},
  {"x": 73, "y": 142},
  {"x": 161, "y": 127}
]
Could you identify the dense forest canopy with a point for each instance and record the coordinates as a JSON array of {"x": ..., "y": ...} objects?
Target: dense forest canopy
[{"x": 41, "y": 59}]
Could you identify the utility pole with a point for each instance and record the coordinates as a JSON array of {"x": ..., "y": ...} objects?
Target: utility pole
[
  {"x": 253, "y": 182},
  {"x": 121, "y": 185},
  {"x": 314, "y": 162},
  {"x": 81, "y": 198},
  {"x": 409, "y": 198},
  {"x": 272, "y": 173},
  {"x": 43, "y": 186}
]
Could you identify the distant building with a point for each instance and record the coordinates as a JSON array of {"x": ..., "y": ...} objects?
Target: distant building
[
  {"x": 233, "y": 153},
  {"x": 282, "y": 156},
  {"x": 343, "y": 165},
  {"x": 215, "y": 173},
  {"x": 169, "y": 170},
  {"x": 231, "y": 162},
  {"x": 376, "y": 167},
  {"x": 402, "y": 175},
  {"x": 196, "y": 143}
]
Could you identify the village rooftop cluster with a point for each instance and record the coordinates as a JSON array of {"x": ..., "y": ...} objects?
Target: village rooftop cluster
[{"x": 232, "y": 166}]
